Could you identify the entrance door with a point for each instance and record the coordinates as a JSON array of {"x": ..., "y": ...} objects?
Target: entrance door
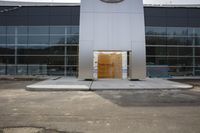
[{"x": 110, "y": 65}]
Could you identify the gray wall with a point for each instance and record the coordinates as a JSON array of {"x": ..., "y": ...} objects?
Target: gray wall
[{"x": 117, "y": 26}]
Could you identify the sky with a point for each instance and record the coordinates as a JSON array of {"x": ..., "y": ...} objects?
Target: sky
[{"x": 145, "y": 1}]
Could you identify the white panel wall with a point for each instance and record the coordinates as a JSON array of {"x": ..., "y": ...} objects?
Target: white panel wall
[{"x": 116, "y": 26}]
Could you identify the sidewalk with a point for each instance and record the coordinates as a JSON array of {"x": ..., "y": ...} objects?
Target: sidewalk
[{"x": 74, "y": 84}]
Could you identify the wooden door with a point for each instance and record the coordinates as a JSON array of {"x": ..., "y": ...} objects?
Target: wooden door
[{"x": 110, "y": 65}]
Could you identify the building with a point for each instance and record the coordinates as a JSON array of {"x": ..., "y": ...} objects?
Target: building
[{"x": 43, "y": 39}]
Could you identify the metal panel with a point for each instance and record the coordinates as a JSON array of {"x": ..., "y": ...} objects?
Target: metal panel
[{"x": 112, "y": 27}]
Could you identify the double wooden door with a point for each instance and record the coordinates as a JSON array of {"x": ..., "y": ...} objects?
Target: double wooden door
[{"x": 110, "y": 65}]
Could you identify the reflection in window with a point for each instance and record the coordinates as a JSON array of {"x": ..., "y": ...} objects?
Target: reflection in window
[
  {"x": 22, "y": 70},
  {"x": 2, "y": 69},
  {"x": 56, "y": 50},
  {"x": 72, "y": 71},
  {"x": 73, "y": 30},
  {"x": 55, "y": 70},
  {"x": 151, "y": 40},
  {"x": 22, "y": 40},
  {"x": 57, "y": 39},
  {"x": 38, "y": 40},
  {"x": 57, "y": 30},
  {"x": 155, "y": 30},
  {"x": 72, "y": 39},
  {"x": 10, "y": 39},
  {"x": 38, "y": 29},
  {"x": 22, "y": 30},
  {"x": 37, "y": 70},
  {"x": 10, "y": 30},
  {"x": 2, "y": 29},
  {"x": 177, "y": 31},
  {"x": 2, "y": 39}
]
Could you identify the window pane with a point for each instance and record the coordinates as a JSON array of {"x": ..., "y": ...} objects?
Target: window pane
[
  {"x": 72, "y": 39},
  {"x": 37, "y": 70},
  {"x": 11, "y": 70},
  {"x": 73, "y": 30},
  {"x": 55, "y": 70},
  {"x": 22, "y": 70},
  {"x": 156, "y": 60},
  {"x": 2, "y": 30},
  {"x": 185, "y": 61},
  {"x": 177, "y": 31},
  {"x": 36, "y": 60},
  {"x": 10, "y": 50},
  {"x": 197, "y": 61},
  {"x": 10, "y": 39},
  {"x": 10, "y": 30},
  {"x": 2, "y": 70},
  {"x": 197, "y": 51},
  {"x": 150, "y": 40},
  {"x": 57, "y": 39},
  {"x": 155, "y": 30},
  {"x": 38, "y": 40},
  {"x": 57, "y": 50},
  {"x": 57, "y": 30},
  {"x": 172, "y": 51},
  {"x": 71, "y": 71},
  {"x": 72, "y": 60},
  {"x": 22, "y": 40},
  {"x": 177, "y": 41},
  {"x": 156, "y": 50},
  {"x": 72, "y": 50},
  {"x": 2, "y": 39},
  {"x": 194, "y": 31},
  {"x": 3, "y": 49},
  {"x": 37, "y": 50},
  {"x": 38, "y": 30},
  {"x": 22, "y": 30},
  {"x": 56, "y": 60},
  {"x": 172, "y": 61},
  {"x": 185, "y": 51}
]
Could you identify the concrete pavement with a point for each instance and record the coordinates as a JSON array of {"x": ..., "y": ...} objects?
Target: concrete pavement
[{"x": 106, "y": 84}]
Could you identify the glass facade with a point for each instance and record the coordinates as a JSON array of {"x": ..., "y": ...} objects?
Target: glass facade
[
  {"x": 172, "y": 41},
  {"x": 39, "y": 50},
  {"x": 44, "y": 41}
]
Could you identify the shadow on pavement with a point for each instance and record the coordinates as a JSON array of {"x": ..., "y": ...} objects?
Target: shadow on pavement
[{"x": 152, "y": 98}]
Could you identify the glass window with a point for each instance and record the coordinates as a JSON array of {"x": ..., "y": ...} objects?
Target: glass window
[
  {"x": 171, "y": 51},
  {"x": 150, "y": 40},
  {"x": 3, "y": 49},
  {"x": 2, "y": 39},
  {"x": 38, "y": 40},
  {"x": 194, "y": 31},
  {"x": 72, "y": 71},
  {"x": 197, "y": 41},
  {"x": 156, "y": 50},
  {"x": 72, "y": 60},
  {"x": 57, "y": 30},
  {"x": 37, "y": 69},
  {"x": 37, "y": 50},
  {"x": 197, "y": 51},
  {"x": 22, "y": 40},
  {"x": 10, "y": 39},
  {"x": 73, "y": 30},
  {"x": 2, "y": 60},
  {"x": 72, "y": 39},
  {"x": 57, "y": 50},
  {"x": 72, "y": 50},
  {"x": 10, "y": 30},
  {"x": 197, "y": 61},
  {"x": 177, "y": 31},
  {"x": 172, "y": 61},
  {"x": 22, "y": 70},
  {"x": 22, "y": 60},
  {"x": 56, "y": 60},
  {"x": 9, "y": 59},
  {"x": 22, "y": 30},
  {"x": 187, "y": 51},
  {"x": 57, "y": 39},
  {"x": 177, "y": 41},
  {"x": 197, "y": 71},
  {"x": 10, "y": 50},
  {"x": 2, "y": 30},
  {"x": 156, "y": 60},
  {"x": 36, "y": 60},
  {"x": 55, "y": 70},
  {"x": 11, "y": 70},
  {"x": 2, "y": 70},
  {"x": 156, "y": 30},
  {"x": 185, "y": 61},
  {"x": 38, "y": 30}
]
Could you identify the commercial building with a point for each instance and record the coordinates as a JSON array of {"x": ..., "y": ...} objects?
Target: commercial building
[{"x": 43, "y": 39}]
